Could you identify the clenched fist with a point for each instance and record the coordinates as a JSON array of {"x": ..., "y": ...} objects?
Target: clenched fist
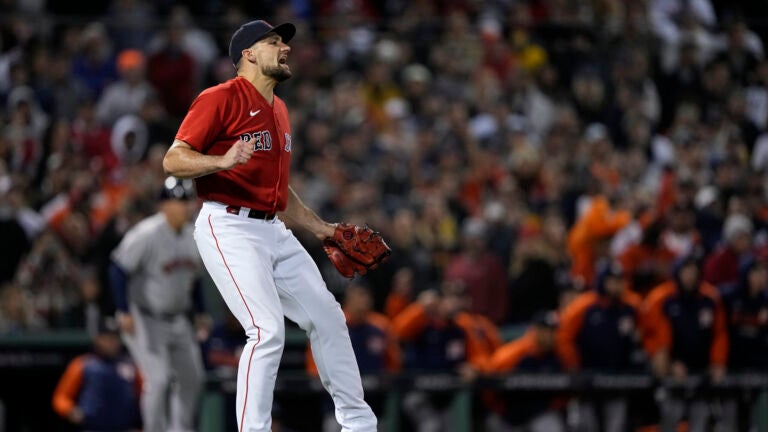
[{"x": 239, "y": 153}]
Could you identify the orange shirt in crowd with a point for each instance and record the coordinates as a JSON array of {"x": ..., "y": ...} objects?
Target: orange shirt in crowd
[{"x": 598, "y": 223}]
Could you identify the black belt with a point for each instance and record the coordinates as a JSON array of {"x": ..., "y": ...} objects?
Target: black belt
[{"x": 253, "y": 214}]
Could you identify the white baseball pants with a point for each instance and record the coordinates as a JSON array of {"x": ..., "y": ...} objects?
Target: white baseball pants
[{"x": 264, "y": 273}]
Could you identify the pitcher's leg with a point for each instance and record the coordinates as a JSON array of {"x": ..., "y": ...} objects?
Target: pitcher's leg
[
  {"x": 238, "y": 258},
  {"x": 307, "y": 302}
]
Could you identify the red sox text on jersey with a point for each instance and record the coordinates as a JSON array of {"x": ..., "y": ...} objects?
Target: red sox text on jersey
[{"x": 236, "y": 110}]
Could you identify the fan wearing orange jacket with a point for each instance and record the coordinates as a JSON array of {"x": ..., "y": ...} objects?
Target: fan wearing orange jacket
[
  {"x": 685, "y": 332},
  {"x": 589, "y": 237},
  {"x": 534, "y": 352},
  {"x": 466, "y": 340},
  {"x": 99, "y": 391},
  {"x": 438, "y": 336},
  {"x": 599, "y": 332}
]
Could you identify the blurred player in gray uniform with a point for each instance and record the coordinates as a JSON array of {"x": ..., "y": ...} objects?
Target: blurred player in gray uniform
[{"x": 155, "y": 277}]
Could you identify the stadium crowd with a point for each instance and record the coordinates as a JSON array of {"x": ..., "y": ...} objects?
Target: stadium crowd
[{"x": 606, "y": 159}]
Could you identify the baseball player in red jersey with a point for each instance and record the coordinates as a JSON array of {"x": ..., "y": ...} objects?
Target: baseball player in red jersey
[{"x": 236, "y": 142}]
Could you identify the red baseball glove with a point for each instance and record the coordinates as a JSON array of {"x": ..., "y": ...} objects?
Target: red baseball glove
[{"x": 355, "y": 250}]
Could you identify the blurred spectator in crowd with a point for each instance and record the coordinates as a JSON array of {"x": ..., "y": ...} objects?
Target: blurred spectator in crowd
[
  {"x": 740, "y": 48},
  {"x": 52, "y": 278},
  {"x": 685, "y": 333},
  {"x": 436, "y": 229},
  {"x": 433, "y": 342},
  {"x": 709, "y": 217},
  {"x": 747, "y": 308},
  {"x": 91, "y": 137},
  {"x": 24, "y": 129},
  {"x": 401, "y": 294},
  {"x": 481, "y": 272},
  {"x": 99, "y": 391},
  {"x": 680, "y": 237},
  {"x": 647, "y": 263},
  {"x": 534, "y": 352},
  {"x": 129, "y": 139},
  {"x": 194, "y": 41},
  {"x": 540, "y": 267},
  {"x": 483, "y": 336},
  {"x": 590, "y": 235},
  {"x": 599, "y": 333},
  {"x": 60, "y": 89},
  {"x": 375, "y": 346},
  {"x": 18, "y": 314},
  {"x": 15, "y": 239},
  {"x": 172, "y": 71},
  {"x": 759, "y": 161},
  {"x": 722, "y": 266},
  {"x": 412, "y": 249},
  {"x": 95, "y": 62},
  {"x": 671, "y": 19},
  {"x": 502, "y": 230},
  {"x": 130, "y": 23},
  {"x": 128, "y": 94},
  {"x": 225, "y": 344},
  {"x": 91, "y": 306}
]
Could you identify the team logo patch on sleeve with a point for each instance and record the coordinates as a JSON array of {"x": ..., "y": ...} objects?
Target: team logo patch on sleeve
[{"x": 288, "y": 142}]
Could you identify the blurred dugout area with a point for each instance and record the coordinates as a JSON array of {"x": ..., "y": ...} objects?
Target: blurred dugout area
[{"x": 31, "y": 365}]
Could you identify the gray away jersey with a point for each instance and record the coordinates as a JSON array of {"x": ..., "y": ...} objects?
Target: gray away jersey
[{"x": 161, "y": 265}]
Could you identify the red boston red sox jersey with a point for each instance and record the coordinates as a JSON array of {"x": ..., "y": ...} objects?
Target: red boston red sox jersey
[{"x": 231, "y": 111}]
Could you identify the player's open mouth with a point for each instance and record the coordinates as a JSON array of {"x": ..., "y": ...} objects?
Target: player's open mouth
[{"x": 282, "y": 60}]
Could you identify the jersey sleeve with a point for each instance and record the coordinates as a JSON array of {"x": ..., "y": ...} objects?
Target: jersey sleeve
[
  {"x": 719, "y": 349},
  {"x": 129, "y": 254},
  {"x": 571, "y": 323},
  {"x": 204, "y": 120},
  {"x": 409, "y": 323},
  {"x": 65, "y": 394},
  {"x": 657, "y": 330},
  {"x": 393, "y": 356},
  {"x": 506, "y": 358}
]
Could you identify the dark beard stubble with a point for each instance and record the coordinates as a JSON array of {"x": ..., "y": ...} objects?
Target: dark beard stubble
[{"x": 277, "y": 73}]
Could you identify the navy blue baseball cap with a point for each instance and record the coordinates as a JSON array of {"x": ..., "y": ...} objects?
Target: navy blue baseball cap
[{"x": 252, "y": 31}]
